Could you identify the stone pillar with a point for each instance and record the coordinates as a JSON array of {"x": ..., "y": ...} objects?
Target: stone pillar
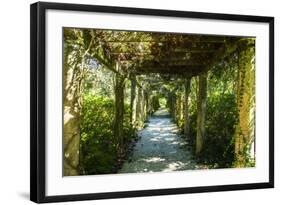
[
  {"x": 244, "y": 134},
  {"x": 72, "y": 109}
]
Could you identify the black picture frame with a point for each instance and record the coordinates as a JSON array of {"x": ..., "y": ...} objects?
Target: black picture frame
[{"x": 38, "y": 100}]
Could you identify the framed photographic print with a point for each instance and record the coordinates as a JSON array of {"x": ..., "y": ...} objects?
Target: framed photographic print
[{"x": 129, "y": 102}]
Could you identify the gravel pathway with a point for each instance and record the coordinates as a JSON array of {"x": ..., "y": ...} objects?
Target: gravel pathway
[{"x": 160, "y": 148}]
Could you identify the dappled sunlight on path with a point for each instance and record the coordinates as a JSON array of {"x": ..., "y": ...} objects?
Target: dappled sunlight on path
[{"x": 160, "y": 148}]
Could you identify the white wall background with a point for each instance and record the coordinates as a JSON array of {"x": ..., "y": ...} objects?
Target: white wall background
[{"x": 14, "y": 101}]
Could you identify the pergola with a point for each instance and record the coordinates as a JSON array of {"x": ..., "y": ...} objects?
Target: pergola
[
  {"x": 130, "y": 54},
  {"x": 172, "y": 53}
]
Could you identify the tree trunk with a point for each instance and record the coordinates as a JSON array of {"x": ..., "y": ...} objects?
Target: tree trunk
[
  {"x": 148, "y": 104},
  {"x": 144, "y": 105},
  {"x": 201, "y": 115},
  {"x": 172, "y": 100},
  {"x": 139, "y": 108},
  {"x": 179, "y": 110},
  {"x": 186, "y": 107},
  {"x": 133, "y": 101},
  {"x": 169, "y": 102},
  {"x": 119, "y": 111}
]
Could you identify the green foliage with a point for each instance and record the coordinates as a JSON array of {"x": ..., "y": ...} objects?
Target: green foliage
[
  {"x": 162, "y": 102},
  {"x": 98, "y": 151},
  {"x": 155, "y": 103},
  {"x": 98, "y": 148},
  {"x": 180, "y": 123},
  {"x": 249, "y": 160},
  {"x": 221, "y": 119},
  {"x": 129, "y": 131}
]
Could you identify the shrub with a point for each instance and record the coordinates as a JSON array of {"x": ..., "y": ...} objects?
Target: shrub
[
  {"x": 98, "y": 149},
  {"x": 221, "y": 119}
]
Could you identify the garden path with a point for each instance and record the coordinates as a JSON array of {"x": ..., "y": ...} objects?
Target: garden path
[{"x": 160, "y": 148}]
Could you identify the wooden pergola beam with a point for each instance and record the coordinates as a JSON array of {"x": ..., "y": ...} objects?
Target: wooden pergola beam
[
  {"x": 192, "y": 70},
  {"x": 178, "y": 51},
  {"x": 177, "y": 42},
  {"x": 163, "y": 38},
  {"x": 165, "y": 62},
  {"x": 223, "y": 52},
  {"x": 163, "y": 48},
  {"x": 197, "y": 57}
]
